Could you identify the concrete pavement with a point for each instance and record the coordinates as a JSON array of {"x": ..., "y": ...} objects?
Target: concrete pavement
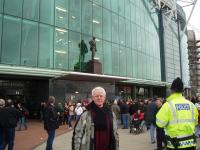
[{"x": 127, "y": 141}]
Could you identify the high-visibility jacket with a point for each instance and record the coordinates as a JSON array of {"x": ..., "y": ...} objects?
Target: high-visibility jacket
[{"x": 179, "y": 117}]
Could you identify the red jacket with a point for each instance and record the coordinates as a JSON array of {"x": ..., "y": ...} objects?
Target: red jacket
[{"x": 139, "y": 117}]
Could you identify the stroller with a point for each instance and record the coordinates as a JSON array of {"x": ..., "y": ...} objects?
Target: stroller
[{"x": 137, "y": 123}]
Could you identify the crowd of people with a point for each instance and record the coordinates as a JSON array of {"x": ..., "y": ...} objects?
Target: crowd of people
[
  {"x": 95, "y": 122},
  {"x": 11, "y": 116}
]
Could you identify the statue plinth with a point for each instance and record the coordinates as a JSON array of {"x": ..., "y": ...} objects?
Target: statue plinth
[{"x": 94, "y": 66}]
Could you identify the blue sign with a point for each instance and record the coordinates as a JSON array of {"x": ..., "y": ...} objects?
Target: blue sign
[{"x": 182, "y": 106}]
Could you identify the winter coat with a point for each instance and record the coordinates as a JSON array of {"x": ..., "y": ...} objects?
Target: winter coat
[
  {"x": 50, "y": 118},
  {"x": 83, "y": 136}
]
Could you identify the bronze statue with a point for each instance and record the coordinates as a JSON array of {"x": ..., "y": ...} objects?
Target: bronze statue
[{"x": 93, "y": 48}]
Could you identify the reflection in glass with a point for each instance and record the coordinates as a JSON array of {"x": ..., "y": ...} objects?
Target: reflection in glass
[
  {"x": 122, "y": 31},
  {"x": 128, "y": 33},
  {"x": 29, "y": 45},
  {"x": 121, "y": 7},
  {"x": 97, "y": 21},
  {"x": 31, "y": 9},
  {"x": 1, "y": 6},
  {"x": 115, "y": 28},
  {"x": 13, "y": 7},
  {"x": 75, "y": 15},
  {"x": 122, "y": 60},
  {"x": 128, "y": 9},
  {"x": 129, "y": 62},
  {"x": 115, "y": 59},
  {"x": 47, "y": 11},
  {"x": 107, "y": 61},
  {"x": 86, "y": 17},
  {"x": 61, "y": 13},
  {"x": 106, "y": 25},
  {"x": 74, "y": 40},
  {"x": 106, "y": 4},
  {"x": 114, "y": 6},
  {"x": 99, "y": 52},
  {"x": 45, "y": 56},
  {"x": 11, "y": 39},
  {"x": 61, "y": 49}
]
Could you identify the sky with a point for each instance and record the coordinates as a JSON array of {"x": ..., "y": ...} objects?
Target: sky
[{"x": 194, "y": 22}]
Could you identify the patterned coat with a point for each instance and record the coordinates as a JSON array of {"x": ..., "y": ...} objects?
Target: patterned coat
[{"x": 83, "y": 135}]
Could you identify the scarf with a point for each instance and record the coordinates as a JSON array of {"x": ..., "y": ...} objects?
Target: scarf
[{"x": 99, "y": 116}]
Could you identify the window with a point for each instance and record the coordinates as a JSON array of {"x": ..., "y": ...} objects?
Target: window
[
  {"x": 1, "y": 6},
  {"x": 121, "y": 7},
  {"x": 122, "y": 60},
  {"x": 13, "y": 7},
  {"x": 47, "y": 11},
  {"x": 135, "y": 63},
  {"x": 31, "y": 9},
  {"x": 97, "y": 21},
  {"x": 99, "y": 52},
  {"x": 99, "y": 2},
  {"x": 75, "y": 15},
  {"x": 133, "y": 12},
  {"x": 122, "y": 31},
  {"x": 128, "y": 33},
  {"x": 115, "y": 28},
  {"x": 61, "y": 13},
  {"x": 86, "y": 39},
  {"x": 107, "y": 61},
  {"x": 134, "y": 36},
  {"x": 115, "y": 59},
  {"x": 87, "y": 17},
  {"x": 140, "y": 65},
  {"x": 74, "y": 40},
  {"x": 61, "y": 49},
  {"x": 29, "y": 47},
  {"x": 114, "y": 6},
  {"x": 128, "y": 9},
  {"x": 45, "y": 56},
  {"x": 139, "y": 38},
  {"x": 11, "y": 40},
  {"x": 129, "y": 62},
  {"x": 106, "y": 25},
  {"x": 106, "y": 4}
]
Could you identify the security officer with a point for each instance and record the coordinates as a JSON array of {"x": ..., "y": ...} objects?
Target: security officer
[{"x": 179, "y": 117}]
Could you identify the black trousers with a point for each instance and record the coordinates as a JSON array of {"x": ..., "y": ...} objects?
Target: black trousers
[{"x": 160, "y": 137}]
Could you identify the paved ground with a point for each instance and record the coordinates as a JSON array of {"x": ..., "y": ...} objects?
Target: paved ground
[
  {"x": 35, "y": 135},
  {"x": 127, "y": 141}
]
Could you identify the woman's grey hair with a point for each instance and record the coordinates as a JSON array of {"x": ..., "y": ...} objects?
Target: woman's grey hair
[
  {"x": 98, "y": 89},
  {"x": 2, "y": 103}
]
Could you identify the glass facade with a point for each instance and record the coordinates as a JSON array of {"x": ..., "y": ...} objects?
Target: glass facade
[
  {"x": 172, "y": 51},
  {"x": 185, "y": 60},
  {"x": 47, "y": 33}
]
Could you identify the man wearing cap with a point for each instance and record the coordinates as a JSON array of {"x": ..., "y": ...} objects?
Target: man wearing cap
[{"x": 179, "y": 117}]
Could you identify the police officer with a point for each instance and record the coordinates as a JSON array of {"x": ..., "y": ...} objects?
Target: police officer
[{"x": 179, "y": 117}]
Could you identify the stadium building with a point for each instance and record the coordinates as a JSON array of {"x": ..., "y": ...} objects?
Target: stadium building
[{"x": 139, "y": 51}]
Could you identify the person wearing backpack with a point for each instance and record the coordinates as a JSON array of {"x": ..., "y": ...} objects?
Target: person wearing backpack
[{"x": 51, "y": 121}]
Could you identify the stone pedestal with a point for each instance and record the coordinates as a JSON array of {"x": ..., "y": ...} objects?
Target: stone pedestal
[{"x": 94, "y": 66}]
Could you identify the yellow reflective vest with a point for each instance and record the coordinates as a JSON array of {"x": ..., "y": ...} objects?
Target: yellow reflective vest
[{"x": 179, "y": 117}]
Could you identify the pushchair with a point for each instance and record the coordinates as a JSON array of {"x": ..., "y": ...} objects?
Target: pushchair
[{"x": 137, "y": 123}]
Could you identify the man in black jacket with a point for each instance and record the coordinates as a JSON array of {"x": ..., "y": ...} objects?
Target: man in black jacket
[
  {"x": 151, "y": 119},
  {"x": 8, "y": 121},
  {"x": 51, "y": 122}
]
